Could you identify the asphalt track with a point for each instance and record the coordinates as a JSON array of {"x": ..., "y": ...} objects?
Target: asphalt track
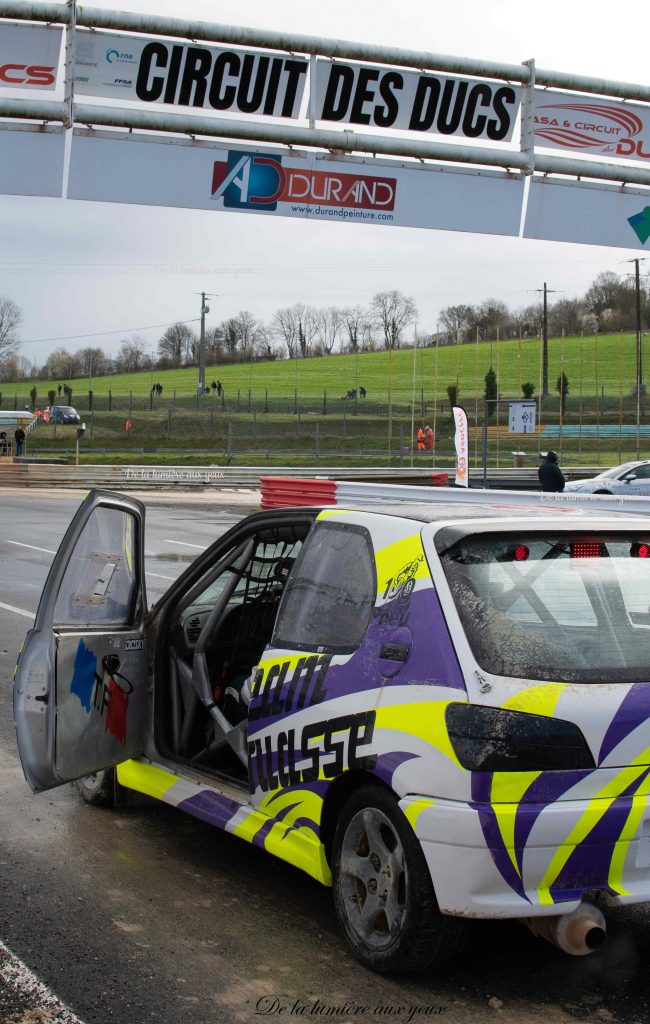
[{"x": 145, "y": 914}]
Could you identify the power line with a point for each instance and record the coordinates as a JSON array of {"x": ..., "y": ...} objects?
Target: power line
[{"x": 101, "y": 334}]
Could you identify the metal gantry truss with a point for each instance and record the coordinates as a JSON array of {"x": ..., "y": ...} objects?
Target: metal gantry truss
[{"x": 524, "y": 161}]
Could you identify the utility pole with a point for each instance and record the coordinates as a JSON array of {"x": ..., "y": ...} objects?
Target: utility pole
[
  {"x": 639, "y": 326},
  {"x": 545, "y": 291},
  {"x": 640, "y": 389},
  {"x": 204, "y": 309}
]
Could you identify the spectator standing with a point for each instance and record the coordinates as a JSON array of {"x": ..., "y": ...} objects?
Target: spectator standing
[
  {"x": 19, "y": 435},
  {"x": 550, "y": 475}
]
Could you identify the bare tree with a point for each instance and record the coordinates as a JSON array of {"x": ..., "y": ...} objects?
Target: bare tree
[
  {"x": 492, "y": 317},
  {"x": 132, "y": 355},
  {"x": 10, "y": 319},
  {"x": 247, "y": 330},
  {"x": 392, "y": 312},
  {"x": 528, "y": 320},
  {"x": 456, "y": 320},
  {"x": 265, "y": 344},
  {"x": 604, "y": 293},
  {"x": 330, "y": 322},
  {"x": 93, "y": 361},
  {"x": 176, "y": 342},
  {"x": 565, "y": 316},
  {"x": 285, "y": 326},
  {"x": 213, "y": 344},
  {"x": 63, "y": 365},
  {"x": 230, "y": 332},
  {"x": 355, "y": 319}
]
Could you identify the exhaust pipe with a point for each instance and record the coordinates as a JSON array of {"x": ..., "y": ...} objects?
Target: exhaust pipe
[{"x": 578, "y": 933}]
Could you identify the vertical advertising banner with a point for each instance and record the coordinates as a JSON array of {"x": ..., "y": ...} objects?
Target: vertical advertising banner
[
  {"x": 29, "y": 56},
  {"x": 462, "y": 447}
]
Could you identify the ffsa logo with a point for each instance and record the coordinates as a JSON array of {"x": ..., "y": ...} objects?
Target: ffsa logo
[{"x": 248, "y": 180}]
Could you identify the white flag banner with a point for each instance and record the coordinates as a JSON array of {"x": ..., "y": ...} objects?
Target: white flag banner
[
  {"x": 31, "y": 163},
  {"x": 593, "y": 214},
  {"x": 29, "y": 56},
  {"x": 188, "y": 75},
  {"x": 588, "y": 124},
  {"x": 148, "y": 170},
  {"x": 387, "y": 97},
  {"x": 462, "y": 447}
]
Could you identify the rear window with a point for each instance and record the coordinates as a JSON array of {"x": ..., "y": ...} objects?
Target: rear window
[{"x": 558, "y": 607}]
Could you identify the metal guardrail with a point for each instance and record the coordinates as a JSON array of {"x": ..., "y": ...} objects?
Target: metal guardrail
[{"x": 26, "y": 474}]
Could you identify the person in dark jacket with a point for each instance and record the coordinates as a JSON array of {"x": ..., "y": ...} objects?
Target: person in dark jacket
[
  {"x": 20, "y": 440},
  {"x": 550, "y": 475}
]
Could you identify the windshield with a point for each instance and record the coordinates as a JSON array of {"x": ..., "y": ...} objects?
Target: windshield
[
  {"x": 617, "y": 470},
  {"x": 572, "y": 607},
  {"x": 66, "y": 409}
]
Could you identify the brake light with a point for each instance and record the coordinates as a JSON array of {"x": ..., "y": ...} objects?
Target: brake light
[
  {"x": 640, "y": 550},
  {"x": 521, "y": 553},
  {"x": 585, "y": 549}
]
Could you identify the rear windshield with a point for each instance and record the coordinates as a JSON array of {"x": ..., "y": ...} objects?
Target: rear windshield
[{"x": 572, "y": 607}]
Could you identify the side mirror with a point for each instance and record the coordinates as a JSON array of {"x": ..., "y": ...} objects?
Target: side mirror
[{"x": 629, "y": 478}]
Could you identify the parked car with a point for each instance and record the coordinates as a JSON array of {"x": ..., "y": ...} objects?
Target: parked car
[
  {"x": 630, "y": 478},
  {"x": 441, "y": 709},
  {"x": 64, "y": 414}
]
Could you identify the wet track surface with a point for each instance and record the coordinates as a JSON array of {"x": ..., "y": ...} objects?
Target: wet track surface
[{"x": 145, "y": 914}]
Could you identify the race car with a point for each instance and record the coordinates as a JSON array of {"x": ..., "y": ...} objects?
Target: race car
[{"x": 440, "y": 707}]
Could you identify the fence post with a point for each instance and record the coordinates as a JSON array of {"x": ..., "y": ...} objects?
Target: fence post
[
  {"x": 110, "y": 400},
  {"x": 130, "y": 403},
  {"x": 325, "y": 402},
  {"x": 238, "y": 398},
  {"x": 92, "y": 423},
  {"x": 401, "y": 444},
  {"x": 295, "y": 400},
  {"x": 174, "y": 398},
  {"x": 345, "y": 425},
  {"x": 229, "y": 442},
  {"x": 212, "y": 419},
  {"x": 254, "y": 424},
  {"x": 249, "y": 399},
  {"x": 266, "y": 400},
  {"x": 169, "y": 423},
  {"x": 317, "y": 439},
  {"x": 298, "y": 426}
]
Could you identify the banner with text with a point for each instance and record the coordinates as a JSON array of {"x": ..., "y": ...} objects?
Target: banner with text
[
  {"x": 461, "y": 443},
  {"x": 570, "y": 211},
  {"x": 591, "y": 126},
  {"x": 31, "y": 163},
  {"x": 29, "y": 55},
  {"x": 385, "y": 97},
  {"x": 149, "y": 170},
  {"x": 194, "y": 75}
]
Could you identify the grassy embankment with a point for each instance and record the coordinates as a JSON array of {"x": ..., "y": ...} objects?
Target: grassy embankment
[{"x": 601, "y": 373}]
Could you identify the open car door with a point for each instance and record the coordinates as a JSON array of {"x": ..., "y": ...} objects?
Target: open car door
[{"x": 81, "y": 687}]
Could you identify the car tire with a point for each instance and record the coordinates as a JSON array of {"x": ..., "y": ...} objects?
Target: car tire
[
  {"x": 383, "y": 893},
  {"x": 98, "y": 788}
]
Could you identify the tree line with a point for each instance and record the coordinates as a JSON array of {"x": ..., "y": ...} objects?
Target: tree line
[{"x": 302, "y": 331}]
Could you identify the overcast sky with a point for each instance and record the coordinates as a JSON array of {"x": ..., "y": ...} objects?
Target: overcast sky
[{"x": 86, "y": 268}]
